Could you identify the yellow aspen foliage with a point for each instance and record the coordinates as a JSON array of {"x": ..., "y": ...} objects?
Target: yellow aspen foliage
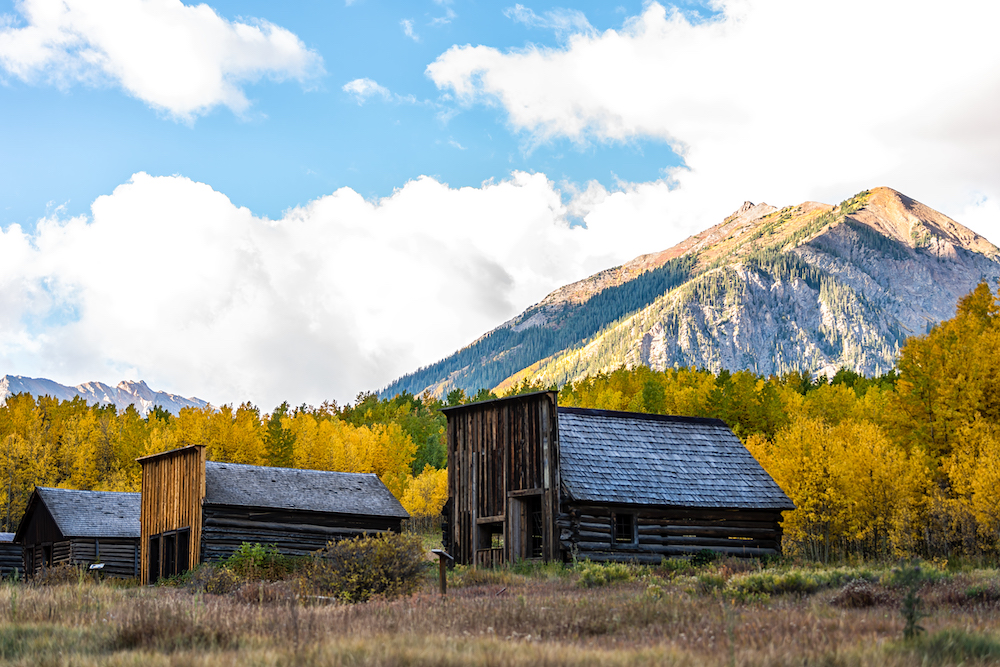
[
  {"x": 973, "y": 470},
  {"x": 852, "y": 488},
  {"x": 332, "y": 444},
  {"x": 426, "y": 493},
  {"x": 236, "y": 437},
  {"x": 191, "y": 426}
]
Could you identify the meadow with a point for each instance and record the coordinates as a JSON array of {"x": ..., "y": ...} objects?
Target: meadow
[{"x": 723, "y": 612}]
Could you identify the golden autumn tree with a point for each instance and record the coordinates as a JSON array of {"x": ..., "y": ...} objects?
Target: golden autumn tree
[{"x": 426, "y": 493}]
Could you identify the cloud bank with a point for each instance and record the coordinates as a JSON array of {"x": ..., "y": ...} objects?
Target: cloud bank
[
  {"x": 774, "y": 100},
  {"x": 168, "y": 281},
  {"x": 184, "y": 60}
]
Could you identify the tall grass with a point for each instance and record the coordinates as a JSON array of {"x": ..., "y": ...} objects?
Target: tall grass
[{"x": 528, "y": 615}]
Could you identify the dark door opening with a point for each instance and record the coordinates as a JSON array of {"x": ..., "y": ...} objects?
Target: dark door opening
[{"x": 154, "y": 559}]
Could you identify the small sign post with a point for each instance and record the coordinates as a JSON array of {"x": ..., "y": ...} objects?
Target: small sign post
[{"x": 443, "y": 558}]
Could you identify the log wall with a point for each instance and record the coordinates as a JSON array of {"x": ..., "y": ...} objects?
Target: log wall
[
  {"x": 11, "y": 559},
  {"x": 119, "y": 555},
  {"x": 173, "y": 486},
  {"x": 294, "y": 533},
  {"x": 586, "y": 531},
  {"x": 502, "y": 458}
]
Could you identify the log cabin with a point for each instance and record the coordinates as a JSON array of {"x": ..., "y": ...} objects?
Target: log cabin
[
  {"x": 68, "y": 527},
  {"x": 196, "y": 511},
  {"x": 11, "y": 556},
  {"x": 528, "y": 479}
]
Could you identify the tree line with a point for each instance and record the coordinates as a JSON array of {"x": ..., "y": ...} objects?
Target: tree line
[
  {"x": 903, "y": 464},
  {"x": 50, "y": 442}
]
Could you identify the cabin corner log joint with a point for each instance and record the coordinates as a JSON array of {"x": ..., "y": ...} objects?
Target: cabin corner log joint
[
  {"x": 529, "y": 479},
  {"x": 196, "y": 511}
]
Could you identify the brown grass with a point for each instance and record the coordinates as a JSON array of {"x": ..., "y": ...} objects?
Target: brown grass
[{"x": 497, "y": 619}]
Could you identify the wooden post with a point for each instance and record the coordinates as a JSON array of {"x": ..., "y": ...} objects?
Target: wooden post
[{"x": 443, "y": 558}]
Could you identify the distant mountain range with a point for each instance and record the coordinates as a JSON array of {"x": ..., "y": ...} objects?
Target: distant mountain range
[
  {"x": 811, "y": 287},
  {"x": 125, "y": 394}
]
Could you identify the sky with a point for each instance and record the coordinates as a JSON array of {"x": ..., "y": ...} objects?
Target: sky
[{"x": 262, "y": 201}]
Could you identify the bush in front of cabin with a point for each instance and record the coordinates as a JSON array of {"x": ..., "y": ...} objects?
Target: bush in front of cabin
[
  {"x": 257, "y": 562},
  {"x": 602, "y": 574},
  {"x": 355, "y": 570}
]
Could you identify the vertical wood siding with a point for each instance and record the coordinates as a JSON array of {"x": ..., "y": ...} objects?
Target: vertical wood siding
[
  {"x": 499, "y": 453},
  {"x": 173, "y": 486}
]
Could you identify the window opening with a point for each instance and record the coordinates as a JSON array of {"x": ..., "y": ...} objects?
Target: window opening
[{"x": 624, "y": 528}]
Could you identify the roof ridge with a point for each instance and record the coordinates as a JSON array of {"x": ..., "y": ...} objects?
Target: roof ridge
[
  {"x": 256, "y": 467},
  {"x": 621, "y": 414}
]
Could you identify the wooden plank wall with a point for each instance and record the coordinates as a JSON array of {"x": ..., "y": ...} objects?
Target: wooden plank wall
[
  {"x": 499, "y": 451},
  {"x": 293, "y": 533},
  {"x": 173, "y": 486},
  {"x": 586, "y": 531}
]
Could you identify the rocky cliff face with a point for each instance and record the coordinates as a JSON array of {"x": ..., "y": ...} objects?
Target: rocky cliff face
[
  {"x": 126, "y": 393},
  {"x": 811, "y": 287}
]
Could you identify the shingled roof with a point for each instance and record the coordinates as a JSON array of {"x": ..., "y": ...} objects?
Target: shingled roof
[
  {"x": 294, "y": 489},
  {"x": 91, "y": 513},
  {"x": 630, "y": 458}
]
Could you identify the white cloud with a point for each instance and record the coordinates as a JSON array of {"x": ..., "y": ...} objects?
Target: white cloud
[
  {"x": 449, "y": 16},
  {"x": 167, "y": 280},
  {"x": 561, "y": 21},
  {"x": 408, "y": 29},
  {"x": 775, "y": 100},
  {"x": 363, "y": 89},
  {"x": 181, "y": 59}
]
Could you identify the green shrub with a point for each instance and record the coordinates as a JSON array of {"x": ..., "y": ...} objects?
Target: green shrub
[
  {"x": 220, "y": 580},
  {"x": 911, "y": 578},
  {"x": 602, "y": 574},
  {"x": 256, "y": 562},
  {"x": 799, "y": 581},
  {"x": 709, "y": 582},
  {"x": 387, "y": 564},
  {"x": 671, "y": 567},
  {"x": 703, "y": 557}
]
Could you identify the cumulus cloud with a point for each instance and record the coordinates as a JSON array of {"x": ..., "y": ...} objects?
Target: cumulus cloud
[
  {"x": 774, "y": 100},
  {"x": 363, "y": 89},
  {"x": 167, "y": 280},
  {"x": 177, "y": 58}
]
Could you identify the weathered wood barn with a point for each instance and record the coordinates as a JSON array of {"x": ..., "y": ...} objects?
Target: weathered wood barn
[
  {"x": 196, "y": 511},
  {"x": 11, "y": 556},
  {"x": 63, "y": 526},
  {"x": 529, "y": 479}
]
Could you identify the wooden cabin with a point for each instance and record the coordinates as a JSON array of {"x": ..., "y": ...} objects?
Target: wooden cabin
[
  {"x": 529, "y": 479},
  {"x": 11, "y": 556},
  {"x": 63, "y": 526},
  {"x": 196, "y": 511}
]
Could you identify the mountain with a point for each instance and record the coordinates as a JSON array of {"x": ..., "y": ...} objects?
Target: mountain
[
  {"x": 125, "y": 394},
  {"x": 811, "y": 287}
]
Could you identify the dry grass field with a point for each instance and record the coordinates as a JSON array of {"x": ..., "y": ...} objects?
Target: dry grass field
[{"x": 724, "y": 613}]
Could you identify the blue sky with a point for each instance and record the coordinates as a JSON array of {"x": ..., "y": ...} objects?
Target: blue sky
[
  {"x": 268, "y": 201},
  {"x": 300, "y": 141}
]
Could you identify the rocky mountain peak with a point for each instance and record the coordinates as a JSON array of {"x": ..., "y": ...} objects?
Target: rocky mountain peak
[{"x": 810, "y": 287}]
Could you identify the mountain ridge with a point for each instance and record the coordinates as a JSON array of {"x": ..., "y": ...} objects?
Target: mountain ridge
[
  {"x": 125, "y": 393},
  {"x": 822, "y": 285}
]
